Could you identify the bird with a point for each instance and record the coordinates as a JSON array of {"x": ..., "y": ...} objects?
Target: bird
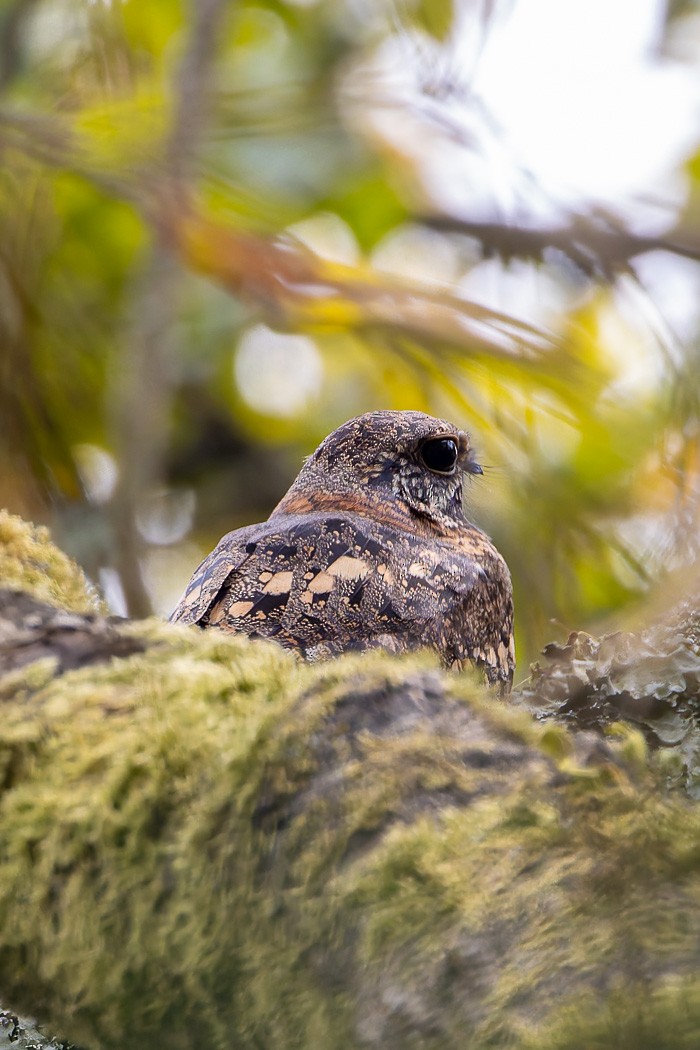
[{"x": 370, "y": 548}]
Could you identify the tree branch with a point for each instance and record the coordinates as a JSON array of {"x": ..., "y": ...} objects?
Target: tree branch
[
  {"x": 206, "y": 844},
  {"x": 11, "y": 29},
  {"x": 598, "y": 248},
  {"x": 143, "y": 387}
]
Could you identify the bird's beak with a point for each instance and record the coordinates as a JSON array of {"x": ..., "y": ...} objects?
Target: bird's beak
[{"x": 472, "y": 467}]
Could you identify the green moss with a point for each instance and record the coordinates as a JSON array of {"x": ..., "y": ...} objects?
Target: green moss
[
  {"x": 659, "y": 1014},
  {"x": 119, "y": 865},
  {"x": 209, "y": 844},
  {"x": 29, "y": 561},
  {"x": 522, "y": 897}
]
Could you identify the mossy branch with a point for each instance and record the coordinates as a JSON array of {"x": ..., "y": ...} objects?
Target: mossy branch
[{"x": 205, "y": 843}]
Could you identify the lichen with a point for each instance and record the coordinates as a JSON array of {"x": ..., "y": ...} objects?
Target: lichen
[
  {"x": 30, "y": 561},
  {"x": 650, "y": 679}
]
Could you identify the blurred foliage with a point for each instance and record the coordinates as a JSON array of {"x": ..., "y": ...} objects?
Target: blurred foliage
[{"x": 220, "y": 240}]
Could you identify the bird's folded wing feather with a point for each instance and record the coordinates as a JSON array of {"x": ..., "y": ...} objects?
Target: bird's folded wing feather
[
  {"x": 212, "y": 577},
  {"x": 306, "y": 579}
]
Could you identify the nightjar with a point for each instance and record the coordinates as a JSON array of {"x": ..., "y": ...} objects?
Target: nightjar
[{"x": 369, "y": 548}]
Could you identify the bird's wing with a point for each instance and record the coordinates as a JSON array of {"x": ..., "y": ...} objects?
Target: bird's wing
[
  {"x": 211, "y": 579},
  {"x": 307, "y": 580}
]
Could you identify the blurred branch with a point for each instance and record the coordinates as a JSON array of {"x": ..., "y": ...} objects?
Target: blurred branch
[
  {"x": 599, "y": 248},
  {"x": 142, "y": 398},
  {"x": 47, "y": 140},
  {"x": 140, "y": 405},
  {"x": 194, "y": 87},
  {"x": 292, "y": 284},
  {"x": 11, "y": 28},
  {"x": 52, "y": 141},
  {"x": 295, "y": 287}
]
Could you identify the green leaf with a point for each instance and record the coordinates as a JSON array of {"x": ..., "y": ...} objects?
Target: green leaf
[{"x": 436, "y": 17}]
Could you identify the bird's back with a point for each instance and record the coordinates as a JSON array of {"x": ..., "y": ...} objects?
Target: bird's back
[{"x": 323, "y": 583}]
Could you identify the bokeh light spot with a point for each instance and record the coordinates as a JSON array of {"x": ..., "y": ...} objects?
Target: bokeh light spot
[
  {"x": 277, "y": 374},
  {"x": 98, "y": 472}
]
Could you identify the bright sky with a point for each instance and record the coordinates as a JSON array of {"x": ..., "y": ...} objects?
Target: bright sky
[
  {"x": 564, "y": 102},
  {"x": 583, "y": 98}
]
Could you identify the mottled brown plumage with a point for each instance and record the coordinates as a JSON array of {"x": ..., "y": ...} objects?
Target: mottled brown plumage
[{"x": 369, "y": 548}]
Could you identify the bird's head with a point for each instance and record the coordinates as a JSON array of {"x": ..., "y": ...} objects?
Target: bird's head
[{"x": 405, "y": 461}]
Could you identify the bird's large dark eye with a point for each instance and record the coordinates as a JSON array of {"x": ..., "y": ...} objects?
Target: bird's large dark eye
[{"x": 439, "y": 455}]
